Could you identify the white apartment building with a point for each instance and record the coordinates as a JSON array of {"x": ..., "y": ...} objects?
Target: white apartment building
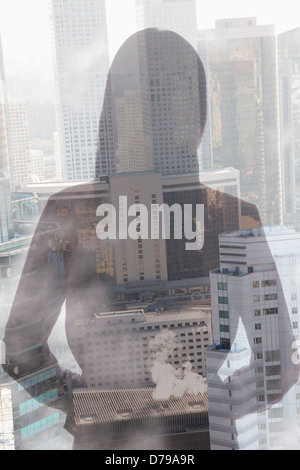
[
  {"x": 117, "y": 348},
  {"x": 252, "y": 366},
  {"x": 81, "y": 61}
]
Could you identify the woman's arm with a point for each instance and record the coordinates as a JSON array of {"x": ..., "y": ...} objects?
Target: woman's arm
[{"x": 38, "y": 301}]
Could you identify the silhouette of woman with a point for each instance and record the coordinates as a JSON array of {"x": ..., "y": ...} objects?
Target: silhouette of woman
[{"x": 155, "y": 98}]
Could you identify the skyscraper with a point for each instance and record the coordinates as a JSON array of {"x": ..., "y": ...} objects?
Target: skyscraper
[
  {"x": 80, "y": 50},
  {"x": 289, "y": 76},
  {"x": 243, "y": 89},
  {"x": 4, "y": 160},
  {"x": 162, "y": 75},
  {"x": 179, "y": 16},
  {"x": 19, "y": 142}
]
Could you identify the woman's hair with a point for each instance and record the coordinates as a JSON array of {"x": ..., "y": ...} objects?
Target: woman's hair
[{"x": 149, "y": 60}]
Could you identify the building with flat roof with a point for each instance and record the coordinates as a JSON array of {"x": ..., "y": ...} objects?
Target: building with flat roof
[
  {"x": 253, "y": 367},
  {"x": 133, "y": 419},
  {"x": 120, "y": 349},
  {"x": 128, "y": 261}
]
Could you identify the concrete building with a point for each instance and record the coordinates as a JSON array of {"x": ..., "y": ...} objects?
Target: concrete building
[
  {"x": 252, "y": 375},
  {"x": 127, "y": 261},
  {"x": 244, "y": 105},
  {"x": 81, "y": 61},
  {"x": 133, "y": 419},
  {"x": 120, "y": 349}
]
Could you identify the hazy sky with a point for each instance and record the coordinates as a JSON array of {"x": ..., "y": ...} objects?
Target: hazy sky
[{"x": 24, "y": 24}]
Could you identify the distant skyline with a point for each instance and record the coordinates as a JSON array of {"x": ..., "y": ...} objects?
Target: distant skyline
[{"x": 24, "y": 26}]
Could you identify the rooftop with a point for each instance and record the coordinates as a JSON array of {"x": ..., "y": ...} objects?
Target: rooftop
[
  {"x": 96, "y": 406},
  {"x": 260, "y": 232}
]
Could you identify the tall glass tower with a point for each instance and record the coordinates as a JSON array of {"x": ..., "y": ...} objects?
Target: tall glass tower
[
  {"x": 244, "y": 103},
  {"x": 81, "y": 61}
]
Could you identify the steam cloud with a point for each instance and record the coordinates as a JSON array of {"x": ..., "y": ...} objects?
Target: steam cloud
[{"x": 169, "y": 380}]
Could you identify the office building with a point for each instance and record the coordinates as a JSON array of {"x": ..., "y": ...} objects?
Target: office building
[
  {"x": 157, "y": 87},
  {"x": 6, "y": 221},
  {"x": 253, "y": 385},
  {"x": 19, "y": 142},
  {"x": 4, "y": 160},
  {"x": 80, "y": 51},
  {"x": 289, "y": 75},
  {"x": 118, "y": 349},
  {"x": 28, "y": 418},
  {"x": 7, "y": 440},
  {"x": 244, "y": 104},
  {"x": 173, "y": 15},
  {"x": 181, "y": 18},
  {"x": 155, "y": 260},
  {"x": 133, "y": 419}
]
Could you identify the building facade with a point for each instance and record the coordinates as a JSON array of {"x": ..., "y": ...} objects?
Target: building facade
[
  {"x": 19, "y": 142},
  {"x": 120, "y": 349},
  {"x": 80, "y": 51},
  {"x": 289, "y": 76},
  {"x": 6, "y": 219},
  {"x": 252, "y": 375},
  {"x": 139, "y": 421},
  {"x": 4, "y": 159},
  {"x": 244, "y": 104}
]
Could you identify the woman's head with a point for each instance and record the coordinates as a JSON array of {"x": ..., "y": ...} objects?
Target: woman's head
[{"x": 154, "y": 110}]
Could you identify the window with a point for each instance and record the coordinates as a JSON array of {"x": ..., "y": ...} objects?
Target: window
[
  {"x": 256, "y": 298},
  {"x": 225, "y": 343},
  {"x": 257, "y": 313},
  {"x": 224, "y": 328},
  {"x": 223, "y": 300},
  {"x": 270, "y": 311},
  {"x": 269, "y": 297},
  {"x": 271, "y": 356},
  {"x": 222, "y": 286},
  {"x": 257, "y": 340},
  {"x": 255, "y": 284},
  {"x": 270, "y": 283},
  {"x": 258, "y": 326},
  {"x": 223, "y": 314}
]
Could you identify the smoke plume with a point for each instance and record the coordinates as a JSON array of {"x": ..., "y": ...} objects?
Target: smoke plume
[{"x": 169, "y": 380}]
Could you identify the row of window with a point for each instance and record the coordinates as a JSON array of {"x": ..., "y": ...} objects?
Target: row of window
[{"x": 256, "y": 284}]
